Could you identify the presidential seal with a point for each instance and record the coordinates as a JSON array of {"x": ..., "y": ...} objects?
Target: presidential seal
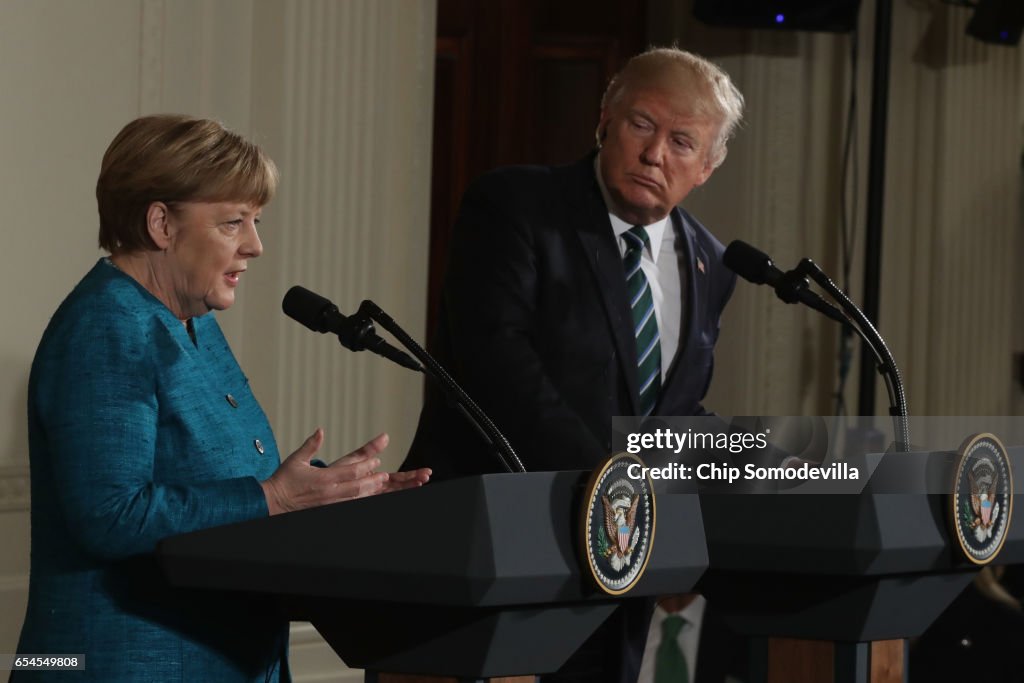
[
  {"x": 617, "y": 527},
  {"x": 982, "y": 499}
]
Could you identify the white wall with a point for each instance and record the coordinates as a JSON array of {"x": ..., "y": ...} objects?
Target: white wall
[{"x": 339, "y": 93}]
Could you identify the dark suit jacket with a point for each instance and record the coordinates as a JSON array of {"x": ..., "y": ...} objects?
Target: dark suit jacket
[
  {"x": 535, "y": 324},
  {"x": 975, "y": 639},
  {"x": 722, "y": 654}
]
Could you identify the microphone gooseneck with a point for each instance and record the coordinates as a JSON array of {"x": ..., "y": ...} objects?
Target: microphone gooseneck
[{"x": 469, "y": 409}]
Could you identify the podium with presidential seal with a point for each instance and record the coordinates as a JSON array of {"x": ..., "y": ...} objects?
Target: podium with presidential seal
[
  {"x": 837, "y": 583},
  {"x": 506, "y": 575},
  {"x": 487, "y": 576}
]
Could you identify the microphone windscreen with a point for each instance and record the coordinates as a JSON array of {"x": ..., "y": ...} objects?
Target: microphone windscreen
[
  {"x": 307, "y": 308},
  {"x": 748, "y": 262}
]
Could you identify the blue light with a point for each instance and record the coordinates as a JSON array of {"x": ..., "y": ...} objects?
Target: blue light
[
  {"x": 1004, "y": 35},
  {"x": 779, "y": 18}
]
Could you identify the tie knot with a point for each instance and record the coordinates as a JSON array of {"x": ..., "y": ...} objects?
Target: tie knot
[
  {"x": 671, "y": 626},
  {"x": 637, "y": 237}
]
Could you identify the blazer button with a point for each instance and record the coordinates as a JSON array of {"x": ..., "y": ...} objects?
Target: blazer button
[
  {"x": 231, "y": 400},
  {"x": 259, "y": 445}
]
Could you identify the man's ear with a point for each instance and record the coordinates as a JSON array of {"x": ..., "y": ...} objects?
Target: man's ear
[
  {"x": 705, "y": 173},
  {"x": 158, "y": 225},
  {"x": 602, "y": 128}
]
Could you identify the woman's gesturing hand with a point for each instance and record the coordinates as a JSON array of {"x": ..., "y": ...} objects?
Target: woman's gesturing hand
[{"x": 298, "y": 484}]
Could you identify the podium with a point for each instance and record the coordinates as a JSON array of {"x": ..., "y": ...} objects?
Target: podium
[
  {"x": 481, "y": 577},
  {"x": 473, "y": 578},
  {"x": 839, "y": 581}
]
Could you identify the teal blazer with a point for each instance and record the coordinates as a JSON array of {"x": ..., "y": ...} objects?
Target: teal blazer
[{"x": 136, "y": 433}]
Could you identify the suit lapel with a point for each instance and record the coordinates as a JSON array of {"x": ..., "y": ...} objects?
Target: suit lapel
[
  {"x": 694, "y": 269},
  {"x": 595, "y": 233}
]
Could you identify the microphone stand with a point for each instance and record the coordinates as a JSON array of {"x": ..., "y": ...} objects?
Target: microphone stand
[
  {"x": 797, "y": 278},
  {"x": 452, "y": 391}
]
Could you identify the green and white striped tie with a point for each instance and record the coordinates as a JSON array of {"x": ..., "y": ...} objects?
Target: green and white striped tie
[{"x": 645, "y": 323}]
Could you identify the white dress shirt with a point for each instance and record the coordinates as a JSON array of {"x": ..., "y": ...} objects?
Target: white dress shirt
[{"x": 660, "y": 265}]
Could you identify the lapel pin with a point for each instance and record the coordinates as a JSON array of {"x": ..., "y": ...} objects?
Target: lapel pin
[{"x": 700, "y": 266}]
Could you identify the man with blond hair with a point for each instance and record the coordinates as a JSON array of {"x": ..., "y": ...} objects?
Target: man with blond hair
[{"x": 577, "y": 293}]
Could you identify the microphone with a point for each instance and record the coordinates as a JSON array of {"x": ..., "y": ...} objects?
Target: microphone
[
  {"x": 754, "y": 265},
  {"x": 355, "y": 332}
]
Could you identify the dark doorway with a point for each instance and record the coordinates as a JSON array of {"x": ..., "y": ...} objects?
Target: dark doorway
[{"x": 517, "y": 81}]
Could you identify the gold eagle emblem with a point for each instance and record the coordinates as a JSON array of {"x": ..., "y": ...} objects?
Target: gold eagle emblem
[{"x": 620, "y": 523}]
